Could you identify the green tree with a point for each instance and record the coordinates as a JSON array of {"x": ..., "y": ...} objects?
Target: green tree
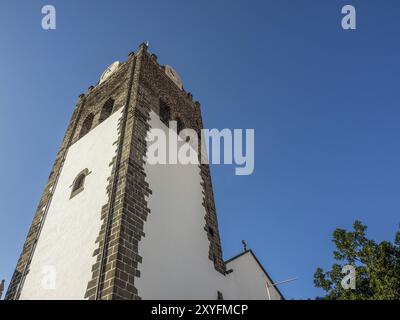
[{"x": 377, "y": 267}]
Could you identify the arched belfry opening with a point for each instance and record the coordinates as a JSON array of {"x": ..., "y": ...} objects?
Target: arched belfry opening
[
  {"x": 180, "y": 125},
  {"x": 165, "y": 113},
  {"x": 86, "y": 125},
  {"x": 106, "y": 110}
]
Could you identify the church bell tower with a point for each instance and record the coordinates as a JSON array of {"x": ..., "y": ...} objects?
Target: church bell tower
[
  {"x": 90, "y": 222},
  {"x": 111, "y": 226}
]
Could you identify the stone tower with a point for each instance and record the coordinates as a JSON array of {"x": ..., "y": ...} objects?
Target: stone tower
[{"x": 111, "y": 226}]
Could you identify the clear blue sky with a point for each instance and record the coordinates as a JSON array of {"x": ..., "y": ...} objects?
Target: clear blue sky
[{"x": 324, "y": 104}]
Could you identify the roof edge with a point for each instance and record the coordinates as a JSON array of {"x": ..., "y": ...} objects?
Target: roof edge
[{"x": 260, "y": 265}]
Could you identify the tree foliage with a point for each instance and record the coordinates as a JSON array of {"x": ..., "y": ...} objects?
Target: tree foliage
[{"x": 377, "y": 267}]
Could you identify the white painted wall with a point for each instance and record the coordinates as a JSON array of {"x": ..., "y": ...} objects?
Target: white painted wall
[
  {"x": 67, "y": 240},
  {"x": 247, "y": 281},
  {"x": 175, "y": 249}
]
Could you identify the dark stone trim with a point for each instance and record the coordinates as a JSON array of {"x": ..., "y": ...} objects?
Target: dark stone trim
[
  {"x": 117, "y": 256},
  {"x": 104, "y": 270}
]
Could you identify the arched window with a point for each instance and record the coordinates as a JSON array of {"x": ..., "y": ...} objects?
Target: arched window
[
  {"x": 165, "y": 113},
  {"x": 79, "y": 183},
  {"x": 179, "y": 125},
  {"x": 106, "y": 110},
  {"x": 86, "y": 125}
]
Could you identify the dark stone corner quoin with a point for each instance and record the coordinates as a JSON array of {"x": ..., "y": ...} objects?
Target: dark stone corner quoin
[{"x": 139, "y": 85}]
